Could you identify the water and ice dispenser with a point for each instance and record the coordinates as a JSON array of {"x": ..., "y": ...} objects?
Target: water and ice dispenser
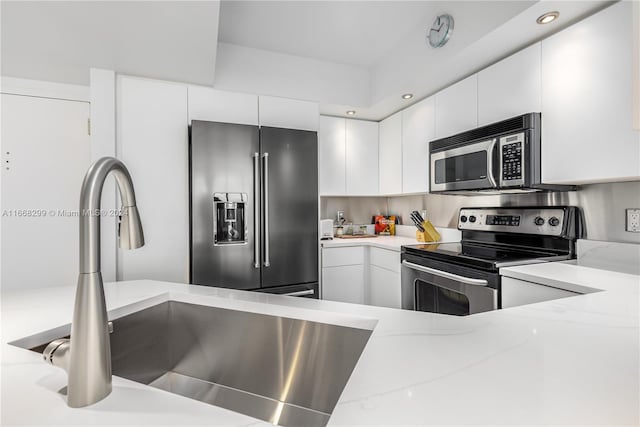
[{"x": 229, "y": 220}]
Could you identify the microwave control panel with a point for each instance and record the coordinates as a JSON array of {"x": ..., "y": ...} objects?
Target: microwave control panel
[{"x": 512, "y": 160}]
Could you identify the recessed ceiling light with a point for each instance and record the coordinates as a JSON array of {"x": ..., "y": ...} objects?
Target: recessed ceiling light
[
  {"x": 407, "y": 96},
  {"x": 547, "y": 17},
  {"x": 351, "y": 112}
]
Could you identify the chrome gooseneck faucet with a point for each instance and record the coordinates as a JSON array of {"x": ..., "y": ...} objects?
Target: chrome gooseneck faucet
[{"x": 87, "y": 355}]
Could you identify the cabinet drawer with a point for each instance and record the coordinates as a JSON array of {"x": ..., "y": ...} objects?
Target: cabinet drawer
[
  {"x": 333, "y": 257},
  {"x": 385, "y": 258}
]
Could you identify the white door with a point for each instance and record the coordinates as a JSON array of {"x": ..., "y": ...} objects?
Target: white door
[
  {"x": 45, "y": 154},
  {"x": 457, "y": 107},
  {"x": 587, "y": 101},
  {"x": 390, "y": 152},
  {"x": 510, "y": 87},
  {"x": 331, "y": 156},
  {"x": 362, "y": 158},
  {"x": 418, "y": 128},
  {"x": 153, "y": 144},
  {"x": 221, "y": 106}
]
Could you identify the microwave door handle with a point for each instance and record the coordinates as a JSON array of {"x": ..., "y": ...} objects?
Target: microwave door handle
[
  {"x": 490, "y": 176},
  {"x": 444, "y": 274}
]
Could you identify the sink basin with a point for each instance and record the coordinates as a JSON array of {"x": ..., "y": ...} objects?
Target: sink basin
[{"x": 285, "y": 371}]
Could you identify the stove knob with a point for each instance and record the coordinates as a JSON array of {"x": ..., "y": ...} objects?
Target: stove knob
[
  {"x": 538, "y": 221},
  {"x": 472, "y": 218},
  {"x": 463, "y": 218},
  {"x": 553, "y": 221}
]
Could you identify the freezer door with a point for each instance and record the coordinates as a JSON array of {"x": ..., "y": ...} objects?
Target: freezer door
[
  {"x": 222, "y": 161},
  {"x": 290, "y": 206}
]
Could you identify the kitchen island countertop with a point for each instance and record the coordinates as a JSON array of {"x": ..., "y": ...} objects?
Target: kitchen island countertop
[{"x": 569, "y": 361}]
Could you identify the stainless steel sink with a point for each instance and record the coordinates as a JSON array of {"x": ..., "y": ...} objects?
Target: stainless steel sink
[{"x": 285, "y": 371}]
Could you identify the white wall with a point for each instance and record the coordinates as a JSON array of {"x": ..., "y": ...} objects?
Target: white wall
[
  {"x": 103, "y": 143},
  {"x": 264, "y": 72}
]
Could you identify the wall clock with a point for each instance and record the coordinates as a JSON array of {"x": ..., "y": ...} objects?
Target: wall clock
[{"x": 440, "y": 31}]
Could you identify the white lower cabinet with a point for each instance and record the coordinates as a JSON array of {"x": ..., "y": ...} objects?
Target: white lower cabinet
[
  {"x": 384, "y": 287},
  {"x": 361, "y": 275},
  {"x": 343, "y": 284},
  {"x": 517, "y": 292},
  {"x": 343, "y": 274}
]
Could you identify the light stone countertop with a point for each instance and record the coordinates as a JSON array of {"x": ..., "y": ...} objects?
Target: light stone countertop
[
  {"x": 569, "y": 361},
  {"x": 406, "y": 236}
]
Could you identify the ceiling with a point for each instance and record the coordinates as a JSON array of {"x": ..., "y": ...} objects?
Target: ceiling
[
  {"x": 347, "y": 32},
  {"x": 344, "y": 55},
  {"x": 60, "y": 40}
]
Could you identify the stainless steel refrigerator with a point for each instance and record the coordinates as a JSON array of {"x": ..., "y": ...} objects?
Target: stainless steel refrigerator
[{"x": 254, "y": 208}]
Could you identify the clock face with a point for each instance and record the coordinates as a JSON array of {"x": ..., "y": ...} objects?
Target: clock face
[{"x": 440, "y": 31}]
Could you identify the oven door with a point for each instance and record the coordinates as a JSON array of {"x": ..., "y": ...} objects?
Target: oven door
[
  {"x": 429, "y": 289},
  {"x": 470, "y": 167}
]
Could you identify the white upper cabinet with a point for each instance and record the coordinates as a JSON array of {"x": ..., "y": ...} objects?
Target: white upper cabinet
[
  {"x": 288, "y": 113},
  {"x": 220, "y": 106},
  {"x": 587, "y": 130},
  {"x": 418, "y": 128},
  {"x": 510, "y": 87},
  {"x": 331, "y": 155},
  {"x": 390, "y": 152},
  {"x": 362, "y": 157},
  {"x": 457, "y": 107}
]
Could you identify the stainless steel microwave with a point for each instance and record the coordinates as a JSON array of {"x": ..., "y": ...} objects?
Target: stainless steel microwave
[{"x": 503, "y": 157}]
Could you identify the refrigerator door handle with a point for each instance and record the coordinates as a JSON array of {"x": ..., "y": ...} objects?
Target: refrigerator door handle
[
  {"x": 256, "y": 210},
  {"x": 265, "y": 202}
]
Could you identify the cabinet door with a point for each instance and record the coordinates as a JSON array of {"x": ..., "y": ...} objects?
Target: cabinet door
[
  {"x": 153, "y": 144},
  {"x": 511, "y": 87},
  {"x": 220, "y": 106},
  {"x": 517, "y": 292},
  {"x": 457, "y": 107},
  {"x": 390, "y": 146},
  {"x": 384, "y": 288},
  {"x": 288, "y": 113},
  {"x": 418, "y": 128},
  {"x": 331, "y": 156},
  {"x": 362, "y": 157},
  {"x": 587, "y": 131},
  {"x": 343, "y": 284}
]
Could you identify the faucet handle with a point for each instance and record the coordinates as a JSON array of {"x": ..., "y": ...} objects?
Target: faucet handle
[{"x": 57, "y": 353}]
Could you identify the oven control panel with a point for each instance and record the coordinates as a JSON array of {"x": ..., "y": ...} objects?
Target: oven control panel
[{"x": 541, "y": 221}]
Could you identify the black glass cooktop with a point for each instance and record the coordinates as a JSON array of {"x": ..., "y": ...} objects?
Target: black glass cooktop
[{"x": 483, "y": 256}]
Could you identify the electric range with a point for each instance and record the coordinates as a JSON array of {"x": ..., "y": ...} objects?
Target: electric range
[{"x": 464, "y": 278}]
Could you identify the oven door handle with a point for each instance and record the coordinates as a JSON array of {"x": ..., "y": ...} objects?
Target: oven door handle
[
  {"x": 444, "y": 274},
  {"x": 490, "y": 176}
]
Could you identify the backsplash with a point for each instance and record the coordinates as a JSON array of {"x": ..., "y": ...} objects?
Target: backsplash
[{"x": 603, "y": 206}]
